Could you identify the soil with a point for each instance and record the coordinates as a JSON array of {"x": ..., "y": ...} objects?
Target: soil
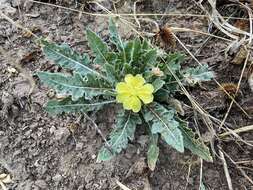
[{"x": 41, "y": 151}]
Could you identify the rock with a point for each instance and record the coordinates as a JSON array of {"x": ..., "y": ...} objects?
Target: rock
[
  {"x": 1, "y": 133},
  {"x": 140, "y": 166},
  {"x": 41, "y": 184},
  {"x": 52, "y": 129},
  {"x": 62, "y": 134},
  {"x": 7, "y": 99},
  {"x": 22, "y": 89},
  {"x": 57, "y": 178},
  {"x": 79, "y": 146}
]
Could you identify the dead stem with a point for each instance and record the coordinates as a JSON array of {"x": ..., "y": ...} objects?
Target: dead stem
[
  {"x": 237, "y": 131},
  {"x": 237, "y": 89},
  {"x": 240, "y": 169},
  {"x": 188, "y": 51},
  {"x": 131, "y": 14},
  {"x": 225, "y": 167},
  {"x": 201, "y": 174},
  {"x": 122, "y": 186}
]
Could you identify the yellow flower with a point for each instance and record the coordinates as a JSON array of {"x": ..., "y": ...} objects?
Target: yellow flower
[{"x": 133, "y": 91}]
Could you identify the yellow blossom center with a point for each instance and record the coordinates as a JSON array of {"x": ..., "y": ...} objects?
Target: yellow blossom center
[{"x": 133, "y": 91}]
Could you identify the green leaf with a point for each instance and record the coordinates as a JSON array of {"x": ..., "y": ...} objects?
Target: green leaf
[
  {"x": 158, "y": 84},
  {"x": 119, "y": 137},
  {"x": 74, "y": 85},
  {"x": 64, "y": 56},
  {"x": 114, "y": 35},
  {"x": 68, "y": 106},
  {"x": 98, "y": 47},
  {"x": 162, "y": 95},
  {"x": 110, "y": 72},
  {"x": 149, "y": 58},
  {"x": 163, "y": 122},
  {"x": 198, "y": 74},
  {"x": 95, "y": 87},
  {"x": 145, "y": 44},
  {"x": 133, "y": 50},
  {"x": 194, "y": 145},
  {"x": 153, "y": 152},
  {"x": 175, "y": 58}
]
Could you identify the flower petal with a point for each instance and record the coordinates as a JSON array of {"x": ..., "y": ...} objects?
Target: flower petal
[
  {"x": 139, "y": 80},
  {"x": 129, "y": 78},
  {"x": 122, "y": 97},
  {"x": 146, "y": 89},
  {"x": 134, "y": 81},
  {"x": 145, "y": 93},
  {"x": 122, "y": 87},
  {"x": 127, "y": 105},
  {"x": 147, "y": 98},
  {"x": 135, "y": 104}
]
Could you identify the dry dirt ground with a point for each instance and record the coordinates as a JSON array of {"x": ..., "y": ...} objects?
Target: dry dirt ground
[{"x": 40, "y": 151}]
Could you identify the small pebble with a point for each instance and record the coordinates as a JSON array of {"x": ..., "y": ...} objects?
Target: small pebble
[
  {"x": 79, "y": 146},
  {"x": 62, "y": 134}
]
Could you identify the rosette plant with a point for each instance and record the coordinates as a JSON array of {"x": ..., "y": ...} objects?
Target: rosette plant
[{"x": 139, "y": 78}]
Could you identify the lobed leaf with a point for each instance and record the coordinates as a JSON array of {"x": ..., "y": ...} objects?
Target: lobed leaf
[
  {"x": 158, "y": 84},
  {"x": 95, "y": 87},
  {"x": 198, "y": 74},
  {"x": 67, "y": 106},
  {"x": 150, "y": 57},
  {"x": 194, "y": 145},
  {"x": 173, "y": 61},
  {"x": 175, "y": 58},
  {"x": 74, "y": 85},
  {"x": 67, "y": 58},
  {"x": 164, "y": 123},
  {"x": 124, "y": 131}
]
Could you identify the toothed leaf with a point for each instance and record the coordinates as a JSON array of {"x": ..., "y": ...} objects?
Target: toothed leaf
[
  {"x": 119, "y": 137},
  {"x": 194, "y": 145},
  {"x": 164, "y": 123},
  {"x": 158, "y": 84},
  {"x": 75, "y": 85},
  {"x": 67, "y": 106},
  {"x": 149, "y": 58},
  {"x": 198, "y": 74},
  {"x": 67, "y": 58}
]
